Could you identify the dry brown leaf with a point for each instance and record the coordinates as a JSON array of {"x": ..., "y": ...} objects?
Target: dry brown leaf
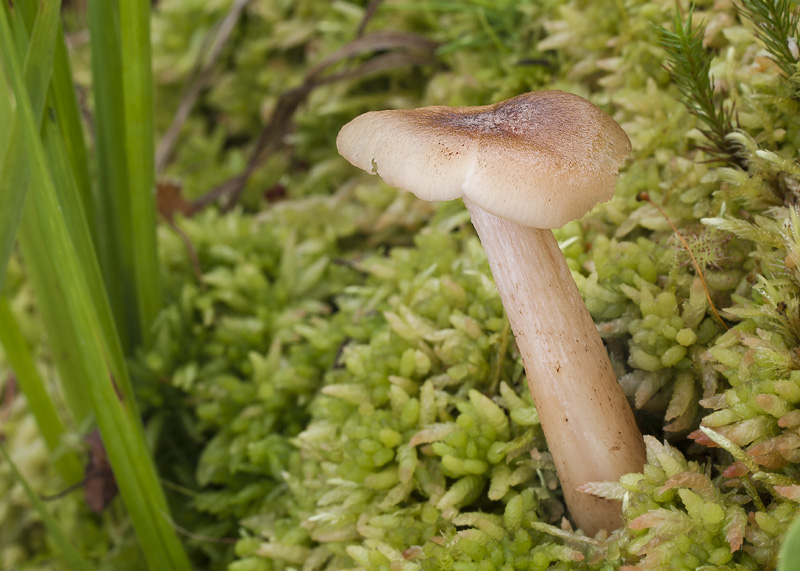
[
  {"x": 100, "y": 487},
  {"x": 170, "y": 200}
]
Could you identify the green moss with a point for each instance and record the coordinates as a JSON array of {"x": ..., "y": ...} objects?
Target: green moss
[
  {"x": 412, "y": 415},
  {"x": 338, "y": 386}
]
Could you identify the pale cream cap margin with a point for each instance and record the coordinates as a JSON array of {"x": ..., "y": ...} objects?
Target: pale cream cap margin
[{"x": 539, "y": 159}]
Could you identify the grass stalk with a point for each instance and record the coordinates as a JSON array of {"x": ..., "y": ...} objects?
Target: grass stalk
[
  {"x": 46, "y": 33},
  {"x": 61, "y": 229},
  {"x": 38, "y": 397},
  {"x": 65, "y": 105},
  {"x": 61, "y": 330},
  {"x": 70, "y": 556},
  {"x": 112, "y": 169},
  {"x": 137, "y": 82},
  {"x": 13, "y": 170}
]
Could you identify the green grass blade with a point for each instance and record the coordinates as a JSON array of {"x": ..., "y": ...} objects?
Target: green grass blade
[
  {"x": 50, "y": 294},
  {"x": 68, "y": 113},
  {"x": 69, "y": 200},
  {"x": 112, "y": 171},
  {"x": 71, "y": 557},
  {"x": 62, "y": 131},
  {"x": 13, "y": 183},
  {"x": 6, "y": 117},
  {"x": 39, "y": 402},
  {"x": 17, "y": 29},
  {"x": 137, "y": 81},
  {"x": 790, "y": 549},
  {"x": 65, "y": 103},
  {"x": 62, "y": 333},
  {"x": 13, "y": 171},
  {"x": 119, "y": 425},
  {"x": 72, "y": 199},
  {"x": 46, "y": 31}
]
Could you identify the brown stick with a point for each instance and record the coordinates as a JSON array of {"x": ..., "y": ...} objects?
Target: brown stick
[
  {"x": 196, "y": 85},
  {"x": 643, "y": 196},
  {"x": 389, "y": 50}
]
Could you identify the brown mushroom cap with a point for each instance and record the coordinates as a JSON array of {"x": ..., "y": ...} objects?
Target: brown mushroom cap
[{"x": 539, "y": 159}]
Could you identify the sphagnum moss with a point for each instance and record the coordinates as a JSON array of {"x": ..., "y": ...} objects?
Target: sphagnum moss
[{"x": 400, "y": 462}]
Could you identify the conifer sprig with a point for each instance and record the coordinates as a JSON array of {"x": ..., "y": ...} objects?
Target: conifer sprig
[
  {"x": 689, "y": 63},
  {"x": 775, "y": 24}
]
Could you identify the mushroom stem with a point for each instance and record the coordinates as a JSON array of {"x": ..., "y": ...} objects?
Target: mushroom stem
[{"x": 587, "y": 421}]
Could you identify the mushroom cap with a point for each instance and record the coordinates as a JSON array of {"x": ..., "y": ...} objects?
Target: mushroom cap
[{"x": 539, "y": 159}]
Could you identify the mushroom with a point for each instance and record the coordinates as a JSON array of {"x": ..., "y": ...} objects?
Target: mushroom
[{"x": 524, "y": 166}]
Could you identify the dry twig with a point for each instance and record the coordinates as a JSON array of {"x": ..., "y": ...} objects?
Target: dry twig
[
  {"x": 197, "y": 83},
  {"x": 388, "y": 50},
  {"x": 643, "y": 196}
]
